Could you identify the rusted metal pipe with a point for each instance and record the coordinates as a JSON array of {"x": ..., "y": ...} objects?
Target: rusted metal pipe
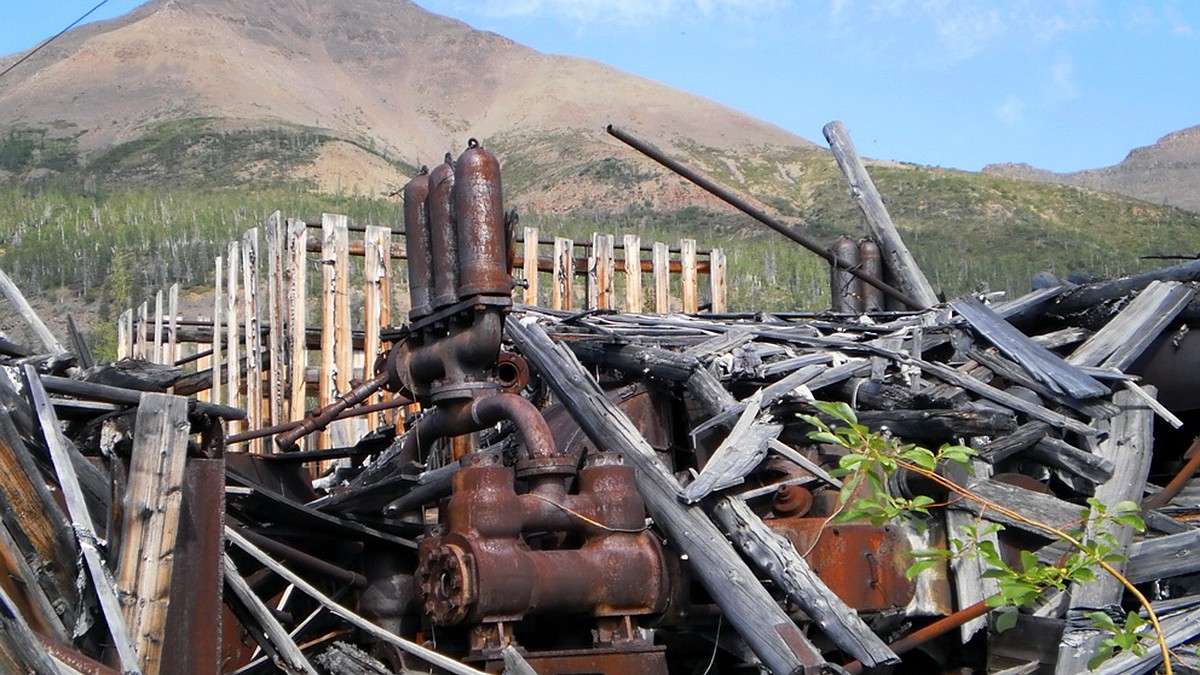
[
  {"x": 758, "y": 214},
  {"x": 303, "y": 559},
  {"x": 320, "y": 418},
  {"x": 844, "y": 292},
  {"x": 870, "y": 261},
  {"x": 919, "y": 637},
  {"x": 356, "y": 411},
  {"x": 483, "y": 246},
  {"x": 443, "y": 235},
  {"x": 417, "y": 236},
  {"x": 1177, "y": 483},
  {"x": 463, "y": 417}
]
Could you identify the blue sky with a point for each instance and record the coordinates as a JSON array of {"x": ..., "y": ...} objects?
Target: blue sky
[{"x": 1060, "y": 84}]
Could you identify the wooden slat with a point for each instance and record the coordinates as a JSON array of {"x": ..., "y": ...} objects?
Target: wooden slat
[
  {"x": 564, "y": 272},
  {"x": 897, "y": 258},
  {"x": 688, "y": 277},
  {"x": 605, "y": 267},
  {"x": 377, "y": 271},
  {"x": 970, "y": 585},
  {"x": 254, "y": 397},
  {"x": 277, "y": 324},
  {"x": 738, "y": 454},
  {"x": 293, "y": 660},
  {"x": 718, "y": 287},
  {"x": 530, "y": 265},
  {"x": 81, "y": 521},
  {"x": 661, "y": 263},
  {"x": 173, "y": 344},
  {"x": 1042, "y": 364},
  {"x": 633, "y": 273},
  {"x": 150, "y": 523},
  {"x": 233, "y": 370},
  {"x": 141, "y": 348},
  {"x": 216, "y": 392},
  {"x": 297, "y": 301},
  {"x": 156, "y": 353},
  {"x": 125, "y": 335},
  {"x": 20, "y": 649}
]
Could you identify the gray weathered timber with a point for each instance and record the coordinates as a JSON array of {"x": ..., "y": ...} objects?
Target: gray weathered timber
[
  {"x": 1042, "y": 364},
  {"x": 1178, "y": 629},
  {"x": 1084, "y": 297},
  {"x": 1162, "y": 557},
  {"x": 1098, "y": 407},
  {"x": 1062, "y": 455},
  {"x": 1128, "y": 334},
  {"x": 1022, "y": 437},
  {"x": 742, "y": 450},
  {"x": 150, "y": 522},
  {"x": 1027, "y": 306},
  {"x": 1033, "y": 505},
  {"x": 294, "y": 660},
  {"x": 773, "y": 636},
  {"x": 20, "y": 650},
  {"x": 81, "y": 520},
  {"x": 514, "y": 663},
  {"x": 776, "y": 557},
  {"x": 970, "y": 585},
  {"x": 899, "y": 260},
  {"x": 1129, "y": 446}
]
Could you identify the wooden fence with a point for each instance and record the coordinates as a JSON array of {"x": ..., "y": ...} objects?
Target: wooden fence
[{"x": 282, "y": 331}]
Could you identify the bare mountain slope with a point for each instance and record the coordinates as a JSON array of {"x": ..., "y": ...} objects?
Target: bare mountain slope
[
  {"x": 1167, "y": 172},
  {"x": 385, "y": 74}
]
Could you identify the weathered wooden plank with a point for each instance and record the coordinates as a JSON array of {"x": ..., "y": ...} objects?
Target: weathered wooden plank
[
  {"x": 376, "y": 271},
  {"x": 564, "y": 273},
  {"x": 530, "y": 264},
  {"x": 742, "y": 449},
  {"x": 21, "y": 583},
  {"x": 1178, "y": 629},
  {"x": 1057, "y": 453},
  {"x": 746, "y": 604},
  {"x": 233, "y": 369},
  {"x": 297, "y": 301},
  {"x": 254, "y": 397},
  {"x": 1163, "y": 557},
  {"x": 276, "y": 324},
  {"x": 20, "y": 650},
  {"x": 661, "y": 277},
  {"x": 605, "y": 269},
  {"x": 898, "y": 259},
  {"x": 150, "y": 522},
  {"x": 1042, "y": 364},
  {"x": 632, "y": 246},
  {"x": 141, "y": 349},
  {"x": 125, "y": 335},
  {"x": 776, "y": 557},
  {"x": 294, "y": 660},
  {"x": 1129, "y": 445},
  {"x": 81, "y": 520},
  {"x": 1098, "y": 407},
  {"x": 1127, "y": 334},
  {"x": 156, "y": 355},
  {"x": 216, "y": 392},
  {"x": 970, "y": 586},
  {"x": 1090, "y": 295},
  {"x": 717, "y": 284},
  {"x": 21, "y": 305},
  {"x": 428, "y": 655},
  {"x": 688, "y": 278},
  {"x": 1034, "y": 505}
]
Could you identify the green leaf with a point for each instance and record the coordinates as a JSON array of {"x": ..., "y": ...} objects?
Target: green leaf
[
  {"x": 918, "y": 567},
  {"x": 824, "y": 437},
  {"x": 1006, "y": 618}
]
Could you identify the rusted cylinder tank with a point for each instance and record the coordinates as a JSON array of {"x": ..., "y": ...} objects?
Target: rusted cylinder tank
[
  {"x": 845, "y": 294},
  {"x": 443, "y": 234},
  {"x": 416, "y": 234},
  {"x": 482, "y": 240},
  {"x": 870, "y": 261}
]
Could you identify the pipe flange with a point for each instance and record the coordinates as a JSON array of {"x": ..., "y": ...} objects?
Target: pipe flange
[
  {"x": 543, "y": 466},
  {"x": 446, "y": 584},
  {"x": 511, "y": 372}
]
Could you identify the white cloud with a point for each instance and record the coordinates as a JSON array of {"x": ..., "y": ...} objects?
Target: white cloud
[
  {"x": 1012, "y": 112},
  {"x": 1062, "y": 81},
  {"x": 1179, "y": 23}
]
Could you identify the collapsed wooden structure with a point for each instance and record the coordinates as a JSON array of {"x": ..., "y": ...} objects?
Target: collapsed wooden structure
[{"x": 639, "y": 493}]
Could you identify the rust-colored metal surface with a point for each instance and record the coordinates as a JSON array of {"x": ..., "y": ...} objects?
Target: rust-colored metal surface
[
  {"x": 632, "y": 660},
  {"x": 498, "y": 556},
  {"x": 862, "y": 563},
  {"x": 443, "y": 235},
  {"x": 417, "y": 241},
  {"x": 192, "y": 639},
  {"x": 483, "y": 244}
]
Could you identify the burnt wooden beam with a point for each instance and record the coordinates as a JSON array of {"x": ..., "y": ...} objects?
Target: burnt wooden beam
[
  {"x": 1162, "y": 557},
  {"x": 1085, "y": 297},
  {"x": 289, "y": 656},
  {"x": 1097, "y": 407},
  {"x": 102, "y": 392},
  {"x": 20, "y": 649},
  {"x": 17, "y": 299},
  {"x": 737, "y": 455},
  {"x": 773, "y": 637},
  {"x": 1022, "y": 437},
  {"x": 1135, "y": 327}
]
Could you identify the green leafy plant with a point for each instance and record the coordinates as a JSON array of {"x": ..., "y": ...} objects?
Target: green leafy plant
[{"x": 872, "y": 457}]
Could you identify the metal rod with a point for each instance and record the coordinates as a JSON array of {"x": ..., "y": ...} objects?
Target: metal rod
[
  {"x": 288, "y": 426},
  {"x": 303, "y": 559},
  {"x": 919, "y": 637},
  {"x": 1177, "y": 483},
  {"x": 736, "y": 201}
]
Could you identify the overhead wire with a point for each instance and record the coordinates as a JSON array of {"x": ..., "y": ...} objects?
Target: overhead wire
[{"x": 52, "y": 38}]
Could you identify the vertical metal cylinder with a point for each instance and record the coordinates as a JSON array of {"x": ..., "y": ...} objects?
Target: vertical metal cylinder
[
  {"x": 482, "y": 239},
  {"x": 443, "y": 235},
  {"x": 843, "y": 286},
  {"x": 416, "y": 235},
  {"x": 870, "y": 261}
]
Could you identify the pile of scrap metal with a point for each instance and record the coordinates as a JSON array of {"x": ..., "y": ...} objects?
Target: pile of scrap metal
[{"x": 640, "y": 495}]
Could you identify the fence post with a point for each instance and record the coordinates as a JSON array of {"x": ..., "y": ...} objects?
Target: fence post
[
  {"x": 156, "y": 354},
  {"x": 716, "y": 281},
  {"x": 125, "y": 335},
  {"x": 297, "y": 295},
  {"x": 140, "y": 348},
  {"x": 254, "y": 397},
  {"x": 633, "y": 273},
  {"x": 662, "y": 277},
  {"x": 336, "y": 349},
  {"x": 218, "y": 301},
  {"x": 233, "y": 372},
  {"x": 688, "y": 278},
  {"x": 564, "y": 273},
  {"x": 275, "y": 321},
  {"x": 173, "y": 346},
  {"x": 530, "y": 297},
  {"x": 603, "y": 268},
  {"x": 377, "y": 245}
]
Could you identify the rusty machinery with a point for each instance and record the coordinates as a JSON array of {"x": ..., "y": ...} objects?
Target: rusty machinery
[{"x": 547, "y": 547}]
